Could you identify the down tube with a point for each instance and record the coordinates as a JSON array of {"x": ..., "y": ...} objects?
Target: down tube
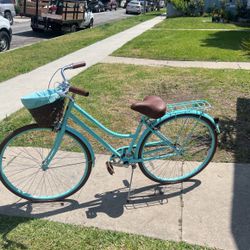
[{"x": 91, "y": 132}]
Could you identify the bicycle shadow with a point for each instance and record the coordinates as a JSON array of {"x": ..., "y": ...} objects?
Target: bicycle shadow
[{"x": 111, "y": 203}]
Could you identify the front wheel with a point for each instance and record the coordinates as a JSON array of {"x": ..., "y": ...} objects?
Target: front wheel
[
  {"x": 180, "y": 148},
  {"x": 4, "y": 41},
  {"x": 22, "y": 156}
]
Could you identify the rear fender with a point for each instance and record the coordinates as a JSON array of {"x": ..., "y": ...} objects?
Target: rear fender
[{"x": 213, "y": 121}]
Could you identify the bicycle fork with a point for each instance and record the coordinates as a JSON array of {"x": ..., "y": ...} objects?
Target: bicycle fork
[{"x": 46, "y": 162}]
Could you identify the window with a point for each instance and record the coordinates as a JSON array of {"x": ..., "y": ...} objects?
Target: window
[{"x": 5, "y": 1}]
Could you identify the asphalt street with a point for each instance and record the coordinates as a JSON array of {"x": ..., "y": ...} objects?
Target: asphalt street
[{"x": 23, "y": 34}]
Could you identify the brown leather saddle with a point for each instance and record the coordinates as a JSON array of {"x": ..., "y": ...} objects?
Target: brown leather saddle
[{"x": 151, "y": 106}]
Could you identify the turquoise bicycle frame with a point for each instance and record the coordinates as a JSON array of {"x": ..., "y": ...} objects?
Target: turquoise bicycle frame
[{"x": 128, "y": 154}]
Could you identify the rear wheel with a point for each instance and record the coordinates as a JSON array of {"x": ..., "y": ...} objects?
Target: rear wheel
[
  {"x": 8, "y": 16},
  {"x": 73, "y": 28},
  {"x": 37, "y": 30},
  {"x": 56, "y": 27},
  {"x": 193, "y": 143},
  {"x": 22, "y": 157},
  {"x": 91, "y": 23}
]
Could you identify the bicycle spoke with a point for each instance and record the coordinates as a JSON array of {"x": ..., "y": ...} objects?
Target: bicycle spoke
[
  {"x": 193, "y": 143},
  {"x": 73, "y": 164},
  {"x": 23, "y": 170}
]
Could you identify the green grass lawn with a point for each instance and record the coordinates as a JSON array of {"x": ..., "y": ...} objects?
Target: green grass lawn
[
  {"x": 113, "y": 88},
  {"x": 162, "y": 43},
  {"x": 23, "y": 60},
  {"x": 197, "y": 23},
  {"x": 23, "y": 233}
]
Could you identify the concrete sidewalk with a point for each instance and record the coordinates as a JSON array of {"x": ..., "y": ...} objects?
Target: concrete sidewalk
[
  {"x": 12, "y": 90},
  {"x": 211, "y": 210},
  {"x": 179, "y": 64}
]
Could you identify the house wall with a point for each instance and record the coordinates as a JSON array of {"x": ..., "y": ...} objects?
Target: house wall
[
  {"x": 211, "y": 4},
  {"x": 231, "y": 3}
]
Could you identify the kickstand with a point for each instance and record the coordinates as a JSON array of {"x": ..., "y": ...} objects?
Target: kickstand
[{"x": 130, "y": 184}]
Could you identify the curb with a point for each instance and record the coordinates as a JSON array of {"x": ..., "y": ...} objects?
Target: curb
[{"x": 19, "y": 19}]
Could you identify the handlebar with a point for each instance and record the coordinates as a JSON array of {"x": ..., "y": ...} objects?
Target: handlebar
[
  {"x": 78, "y": 65},
  {"x": 78, "y": 91},
  {"x": 74, "y": 66},
  {"x": 71, "y": 88},
  {"x": 71, "y": 66}
]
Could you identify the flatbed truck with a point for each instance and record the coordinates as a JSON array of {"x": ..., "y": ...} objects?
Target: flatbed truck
[{"x": 57, "y": 15}]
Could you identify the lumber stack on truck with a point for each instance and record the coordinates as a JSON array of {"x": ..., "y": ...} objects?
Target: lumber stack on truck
[
  {"x": 28, "y": 7},
  {"x": 64, "y": 10}
]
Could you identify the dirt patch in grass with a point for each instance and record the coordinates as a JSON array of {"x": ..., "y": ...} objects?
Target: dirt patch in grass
[{"x": 113, "y": 88}]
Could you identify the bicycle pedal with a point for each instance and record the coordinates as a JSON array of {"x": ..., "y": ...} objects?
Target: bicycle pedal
[{"x": 110, "y": 168}]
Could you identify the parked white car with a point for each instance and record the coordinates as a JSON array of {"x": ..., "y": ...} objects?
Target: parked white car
[
  {"x": 162, "y": 3},
  {"x": 7, "y": 9},
  {"x": 5, "y": 34},
  {"x": 123, "y": 3},
  {"x": 88, "y": 19},
  {"x": 134, "y": 6}
]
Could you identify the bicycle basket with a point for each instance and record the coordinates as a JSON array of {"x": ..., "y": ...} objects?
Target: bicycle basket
[{"x": 46, "y": 107}]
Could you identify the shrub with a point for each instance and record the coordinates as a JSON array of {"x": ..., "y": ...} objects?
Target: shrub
[
  {"x": 189, "y": 7},
  {"x": 17, "y": 7},
  {"x": 246, "y": 46},
  {"x": 206, "y": 14}
]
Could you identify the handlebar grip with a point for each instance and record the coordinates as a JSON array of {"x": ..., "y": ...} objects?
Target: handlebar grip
[
  {"x": 78, "y": 65},
  {"x": 78, "y": 91}
]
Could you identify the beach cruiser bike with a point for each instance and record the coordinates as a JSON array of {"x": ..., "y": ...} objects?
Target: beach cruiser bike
[{"x": 51, "y": 160}]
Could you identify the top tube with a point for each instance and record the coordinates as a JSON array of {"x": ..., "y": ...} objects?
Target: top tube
[{"x": 98, "y": 124}]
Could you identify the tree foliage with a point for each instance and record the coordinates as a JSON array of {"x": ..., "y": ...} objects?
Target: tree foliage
[{"x": 189, "y": 7}]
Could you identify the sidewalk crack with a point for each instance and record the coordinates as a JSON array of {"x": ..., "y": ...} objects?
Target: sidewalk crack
[{"x": 181, "y": 216}]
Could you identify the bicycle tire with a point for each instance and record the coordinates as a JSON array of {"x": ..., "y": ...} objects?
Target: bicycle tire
[
  {"x": 21, "y": 156},
  {"x": 173, "y": 170}
]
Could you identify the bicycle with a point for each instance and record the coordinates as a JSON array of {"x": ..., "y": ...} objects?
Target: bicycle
[{"x": 51, "y": 160}]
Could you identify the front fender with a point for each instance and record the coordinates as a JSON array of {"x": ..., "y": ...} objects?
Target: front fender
[
  {"x": 176, "y": 113},
  {"x": 85, "y": 141}
]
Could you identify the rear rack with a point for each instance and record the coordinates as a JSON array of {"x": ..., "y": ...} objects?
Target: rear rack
[{"x": 197, "y": 105}]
